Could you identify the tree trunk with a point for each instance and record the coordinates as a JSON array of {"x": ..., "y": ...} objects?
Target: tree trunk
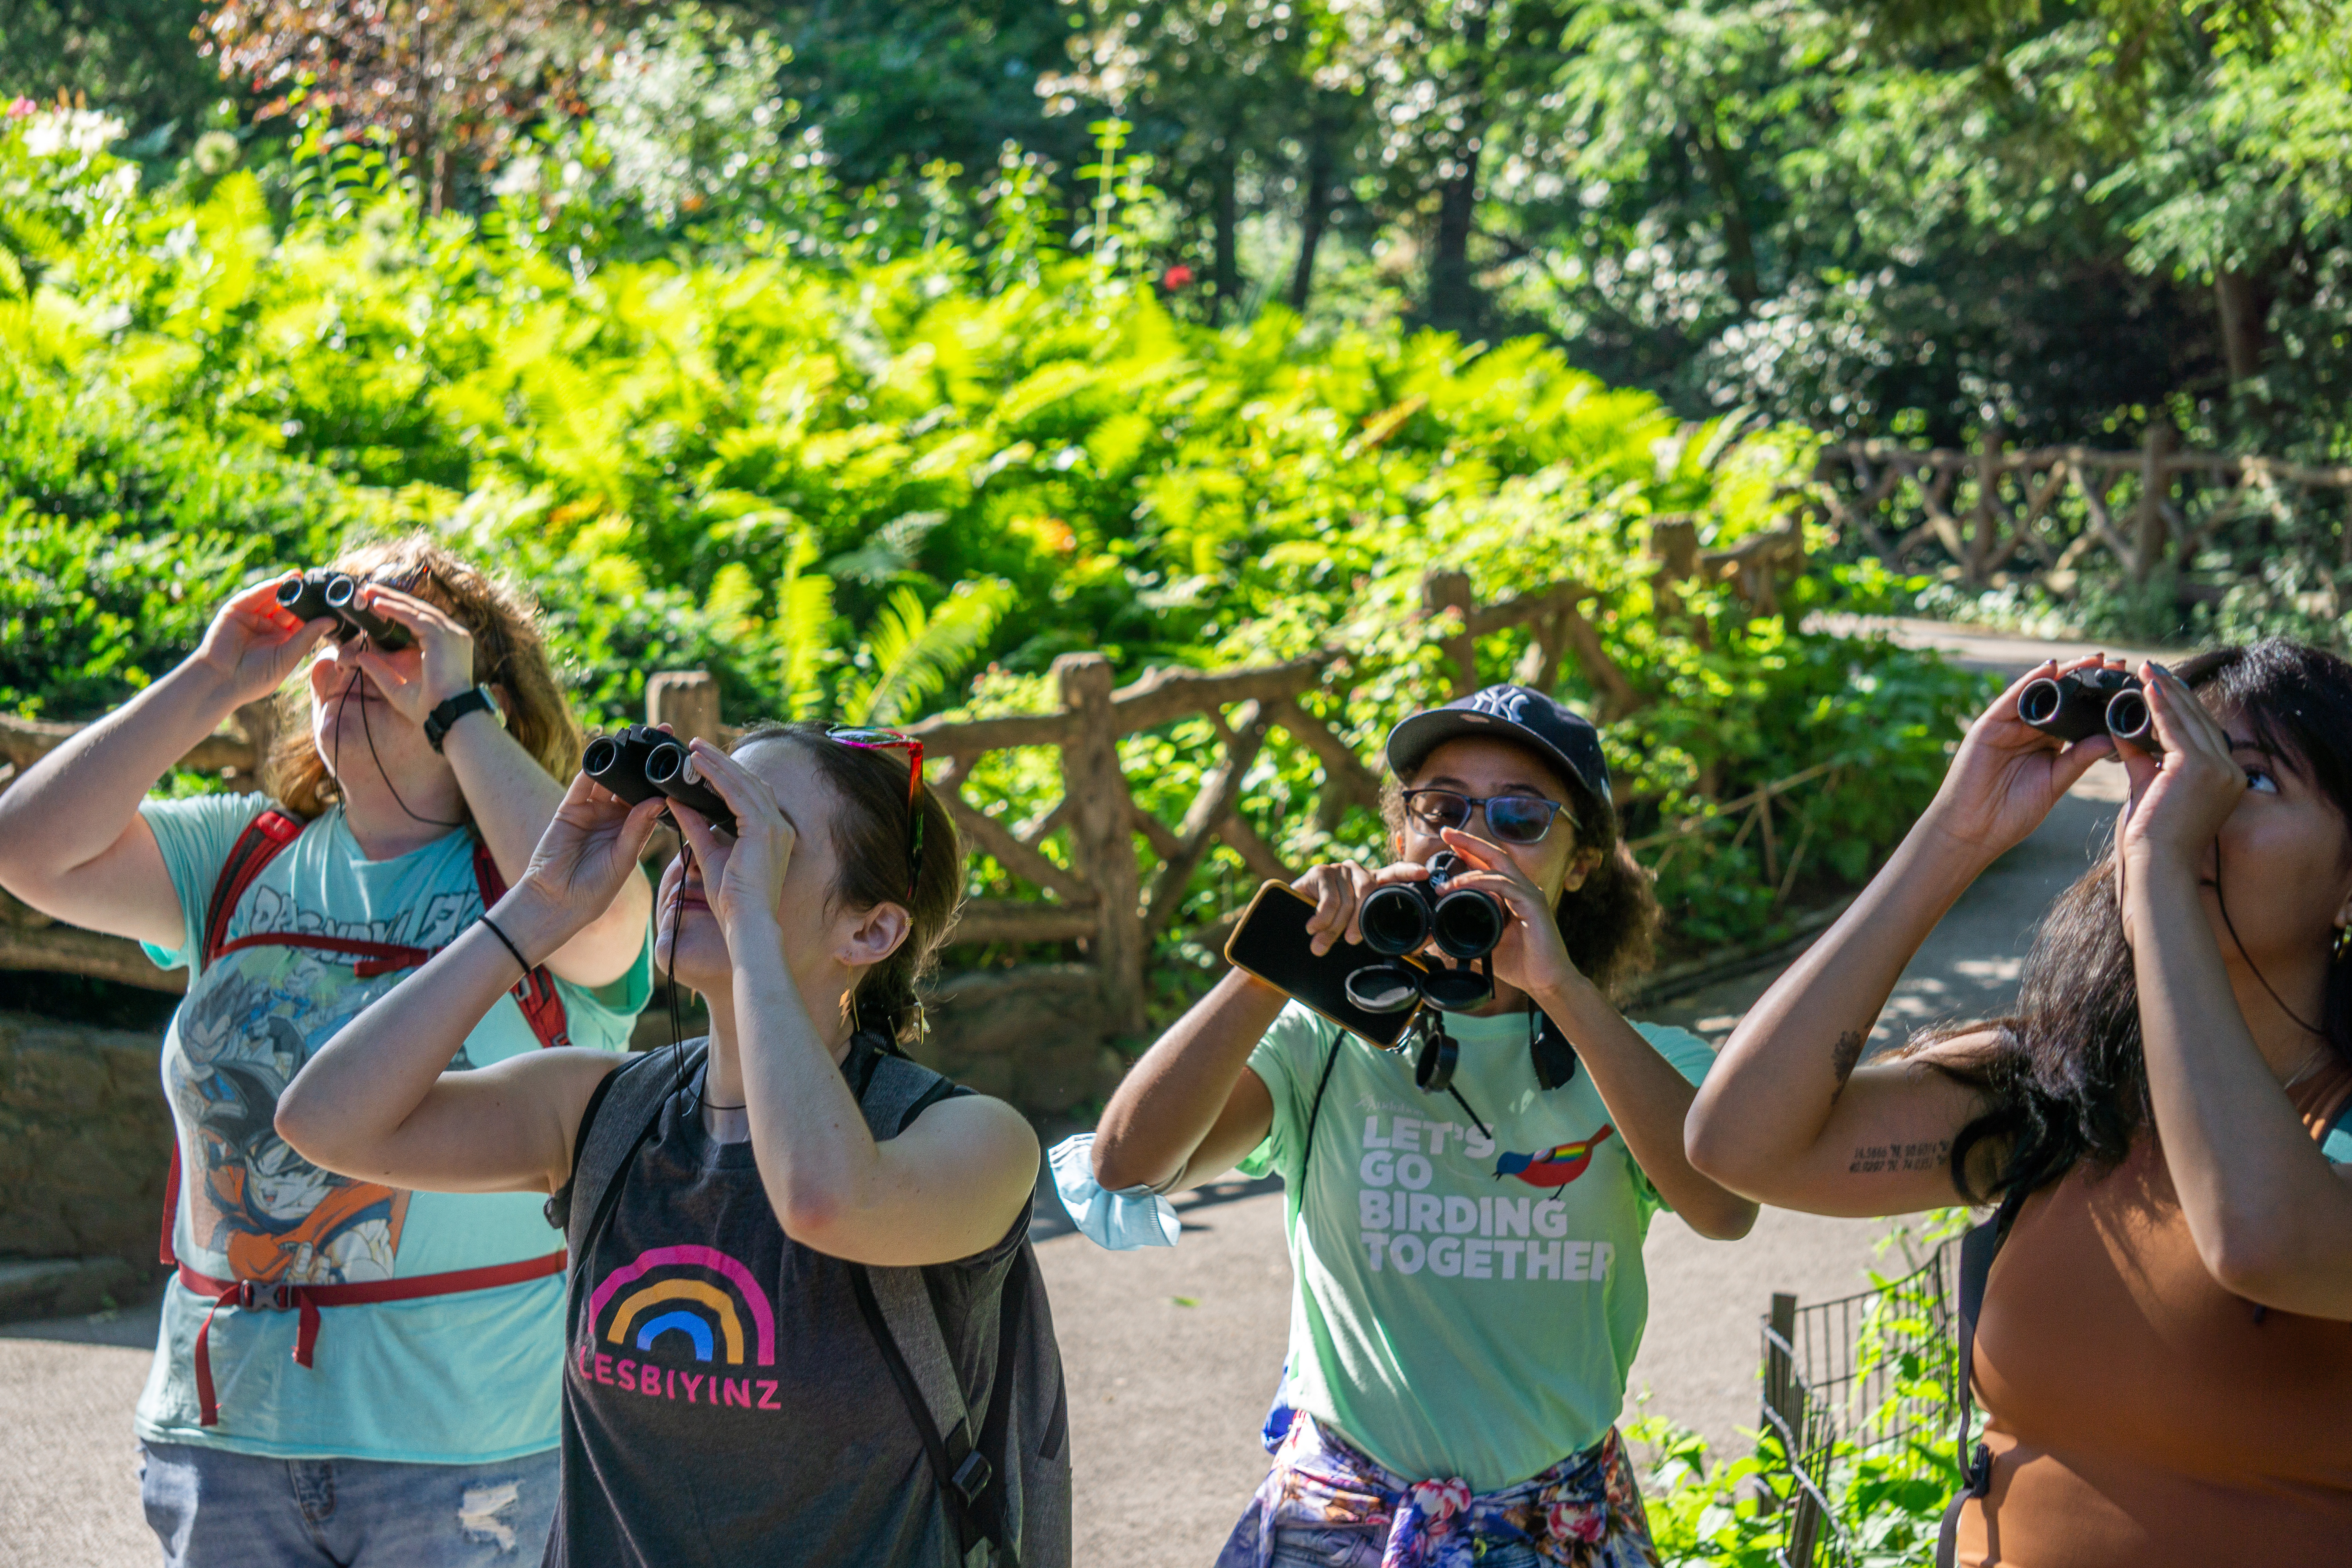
[
  {"x": 428, "y": 185},
  {"x": 2237, "y": 299},
  {"x": 1453, "y": 298},
  {"x": 1453, "y": 295},
  {"x": 1315, "y": 211},
  {"x": 1227, "y": 263},
  {"x": 1739, "y": 241}
]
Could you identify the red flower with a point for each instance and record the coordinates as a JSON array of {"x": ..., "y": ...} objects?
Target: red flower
[{"x": 1176, "y": 278}]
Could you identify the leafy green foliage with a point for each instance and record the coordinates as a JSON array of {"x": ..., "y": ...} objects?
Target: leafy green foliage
[
  {"x": 841, "y": 482},
  {"x": 138, "y": 58},
  {"x": 1887, "y": 1475}
]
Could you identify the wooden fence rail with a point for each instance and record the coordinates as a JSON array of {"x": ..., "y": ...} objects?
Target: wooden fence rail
[
  {"x": 2040, "y": 513},
  {"x": 1121, "y": 875}
]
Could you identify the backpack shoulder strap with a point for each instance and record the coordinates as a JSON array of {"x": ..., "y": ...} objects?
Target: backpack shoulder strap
[
  {"x": 898, "y": 1308},
  {"x": 255, "y": 849},
  {"x": 557, "y": 1207},
  {"x": 1979, "y": 1248},
  {"x": 617, "y": 1124},
  {"x": 1315, "y": 1108},
  {"x": 535, "y": 994}
]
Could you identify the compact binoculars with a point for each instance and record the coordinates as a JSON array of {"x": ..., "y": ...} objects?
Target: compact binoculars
[
  {"x": 2087, "y": 702},
  {"x": 335, "y": 595},
  {"x": 1402, "y": 918},
  {"x": 1405, "y": 917},
  {"x": 641, "y": 763}
]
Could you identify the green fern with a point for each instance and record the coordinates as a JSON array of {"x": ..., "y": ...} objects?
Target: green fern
[
  {"x": 914, "y": 653},
  {"x": 803, "y": 629}
]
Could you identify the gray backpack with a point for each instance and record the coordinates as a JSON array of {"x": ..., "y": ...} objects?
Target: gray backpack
[{"x": 1005, "y": 1486}]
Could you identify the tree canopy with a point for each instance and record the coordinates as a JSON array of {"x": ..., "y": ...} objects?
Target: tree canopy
[{"x": 1876, "y": 216}]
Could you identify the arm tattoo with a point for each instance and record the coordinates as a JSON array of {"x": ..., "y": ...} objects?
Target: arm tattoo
[
  {"x": 1843, "y": 1060},
  {"x": 1876, "y": 1158}
]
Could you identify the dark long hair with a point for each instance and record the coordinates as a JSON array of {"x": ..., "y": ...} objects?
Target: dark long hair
[
  {"x": 1610, "y": 925},
  {"x": 870, "y": 843},
  {"x": 2066, "y": 1072}
]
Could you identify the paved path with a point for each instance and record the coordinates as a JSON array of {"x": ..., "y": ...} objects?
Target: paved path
[
  {"x": 69, "y": 1498},
  {"x": 1172, "y": 1354}
]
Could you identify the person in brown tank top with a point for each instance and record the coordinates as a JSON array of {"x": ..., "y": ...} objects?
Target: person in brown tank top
[{"x": 2164, "y": 1349}]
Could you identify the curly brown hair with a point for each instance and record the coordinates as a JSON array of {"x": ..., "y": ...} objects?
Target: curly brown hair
[
  {"x": 508, "y": 652},
  {"x": 1609, "y": 925}
]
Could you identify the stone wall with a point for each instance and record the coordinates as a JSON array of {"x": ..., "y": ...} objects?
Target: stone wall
[
  {"x": 1035, "y": 1036},
  {"x": 85, "y": 1141}
]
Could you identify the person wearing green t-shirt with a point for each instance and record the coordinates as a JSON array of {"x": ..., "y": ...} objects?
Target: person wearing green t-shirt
[
  {"x": 1470, "y": 1292},
  {"x": 347, "y": 1372}
]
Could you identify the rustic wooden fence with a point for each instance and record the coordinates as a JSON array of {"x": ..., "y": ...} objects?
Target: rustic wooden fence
[
  {"x": 1999, "y": 514},
  {"x": 1120, "y": 879}
]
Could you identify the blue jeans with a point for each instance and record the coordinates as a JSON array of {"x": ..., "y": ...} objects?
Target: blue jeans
[{"x": 212, "y": 1509}]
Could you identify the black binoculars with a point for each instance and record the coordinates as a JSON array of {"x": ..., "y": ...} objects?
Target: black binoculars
[
  {"x": 2087, "y": 702},
  {"x": 1402, "y": 918},
  {"x": 641, "y": 763},
  {"x": 1405, "y": 917},
  {"x": 335, "y": 595}
]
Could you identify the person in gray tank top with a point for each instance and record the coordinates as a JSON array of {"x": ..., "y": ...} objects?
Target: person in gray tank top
[{"x": 725, "y": 1399}]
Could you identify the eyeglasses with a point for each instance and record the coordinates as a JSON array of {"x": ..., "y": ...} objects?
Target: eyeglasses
[
  {"x": 891, "y": 739},
  {"x": 1515, "y": 819}
]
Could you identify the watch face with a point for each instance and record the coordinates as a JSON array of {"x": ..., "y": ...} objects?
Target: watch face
[{"x": 497, "y": 710}]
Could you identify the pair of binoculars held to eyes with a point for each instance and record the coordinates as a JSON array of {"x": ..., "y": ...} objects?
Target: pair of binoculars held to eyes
[
  {"x": 1462, "y": 923},
  {"x": 335, "y": 595},
  {"x": 2087, "y": 702},
  {"x": 1403, "y": 918},
  {"x": 641, "y": 763}
]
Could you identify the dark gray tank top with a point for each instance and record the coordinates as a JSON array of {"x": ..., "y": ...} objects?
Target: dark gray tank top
[{"x": 723, "y": 1401}]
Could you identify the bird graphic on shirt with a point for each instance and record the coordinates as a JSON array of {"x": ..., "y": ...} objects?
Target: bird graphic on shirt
[{"x": 1556, "y": 1166}]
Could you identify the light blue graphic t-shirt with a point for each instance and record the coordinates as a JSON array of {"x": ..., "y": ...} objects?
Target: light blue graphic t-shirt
[
  {"x": 1469, "y": 1300},
  {"x": 465, "y": 1378}
]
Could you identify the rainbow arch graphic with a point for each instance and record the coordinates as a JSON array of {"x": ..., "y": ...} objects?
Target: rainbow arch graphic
[{"x": 684, "y": 1305}]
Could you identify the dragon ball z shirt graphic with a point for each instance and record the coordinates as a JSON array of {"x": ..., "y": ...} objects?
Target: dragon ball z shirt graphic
[{"x": 252, "y": 1200}]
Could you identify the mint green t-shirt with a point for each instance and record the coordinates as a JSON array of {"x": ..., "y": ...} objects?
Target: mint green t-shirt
[
  {"x": 1466, "y": 1305},
  {"x": 466, "y": 1378}
]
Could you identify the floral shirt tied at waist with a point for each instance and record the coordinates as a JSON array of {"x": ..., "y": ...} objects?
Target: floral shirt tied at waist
[{"x": 1583, "y": 1512}]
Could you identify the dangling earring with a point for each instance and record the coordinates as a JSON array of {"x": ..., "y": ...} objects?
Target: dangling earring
[{"x": 2343, "y": 945}]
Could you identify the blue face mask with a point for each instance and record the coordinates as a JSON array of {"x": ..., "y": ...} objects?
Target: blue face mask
[{"x": 1121, "y": 1221}]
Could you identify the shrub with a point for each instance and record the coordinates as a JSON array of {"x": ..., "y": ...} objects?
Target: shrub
[{"x": 840, "y": 483}]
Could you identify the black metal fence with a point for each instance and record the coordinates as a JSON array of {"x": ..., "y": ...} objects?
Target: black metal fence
[{"x": 1865, "y": 1374}]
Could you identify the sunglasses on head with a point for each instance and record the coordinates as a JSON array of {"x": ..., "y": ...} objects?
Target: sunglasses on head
[
  {"x": 1512, "y": 818},
  {"x": 891, "y": 739}
]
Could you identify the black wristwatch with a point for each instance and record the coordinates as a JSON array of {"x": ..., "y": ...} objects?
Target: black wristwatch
[{"x": 437, "y": 723}]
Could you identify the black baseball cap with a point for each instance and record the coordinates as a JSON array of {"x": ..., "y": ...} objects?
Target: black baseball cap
[{"x": 1559, "y": 734}]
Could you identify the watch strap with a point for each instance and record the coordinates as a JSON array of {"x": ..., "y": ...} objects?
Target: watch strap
[{"x": 439, "y": 723}]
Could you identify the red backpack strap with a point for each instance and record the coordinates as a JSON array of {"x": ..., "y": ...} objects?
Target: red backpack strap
[
  {"x": 255, "y": 849},
  {"x": 535, "y": 994}
]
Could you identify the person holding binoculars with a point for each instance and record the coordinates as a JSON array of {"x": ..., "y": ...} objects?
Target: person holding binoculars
[
  {"x": 347, "y": 1372},
  {"x": 1467, "y": 1236},
  {"x": 736, "y": 1205},
  {"x": 2160, "y": 1304}
]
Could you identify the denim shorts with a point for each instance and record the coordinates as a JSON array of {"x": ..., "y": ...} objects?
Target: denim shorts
[
  {"x": 1359, "y": 1546},
  {"x": 212, "y": 1509}
]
